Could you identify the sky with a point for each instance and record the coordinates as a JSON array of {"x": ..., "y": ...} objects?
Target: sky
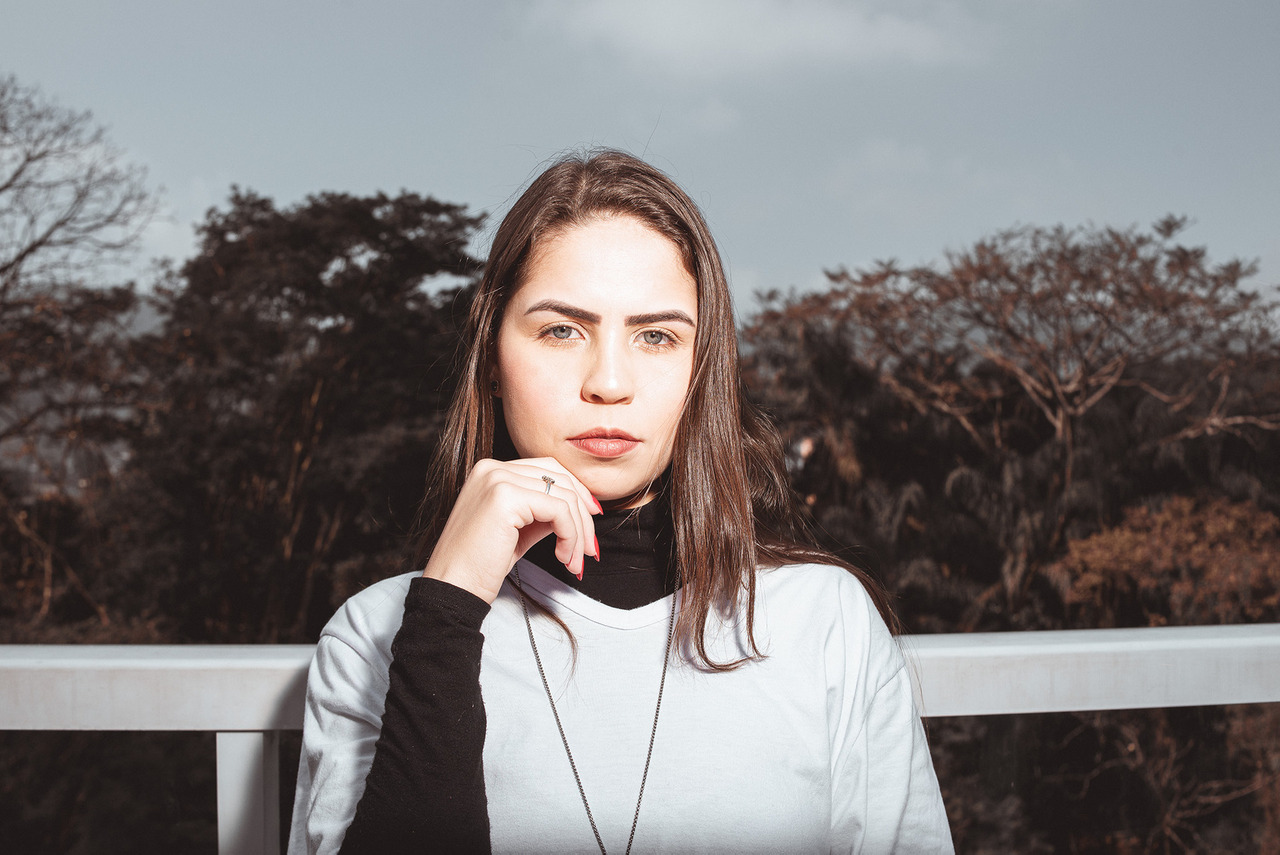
[{"x": 814, "y": 134}]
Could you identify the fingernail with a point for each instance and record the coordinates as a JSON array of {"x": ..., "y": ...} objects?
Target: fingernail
[
  {"x": 579, "y": 575},
  {"x": 599, "y": 508}
]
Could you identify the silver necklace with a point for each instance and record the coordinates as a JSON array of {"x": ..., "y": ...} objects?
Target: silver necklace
[{"x": 671, "y": 631}]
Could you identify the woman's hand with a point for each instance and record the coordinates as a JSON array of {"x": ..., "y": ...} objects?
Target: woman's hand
[{"x": 502, "y": 510}]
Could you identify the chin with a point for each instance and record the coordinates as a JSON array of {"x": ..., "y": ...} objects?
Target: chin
[
  {"x": 616, "y": 487},
  {"x": 615, "y": 499}
]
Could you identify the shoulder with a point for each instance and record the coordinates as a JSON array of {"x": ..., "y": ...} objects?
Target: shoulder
[
  {"x": 830, "y": 606},
  {"x": 369, "y": 620},
  {"x": 821, "y": 588},
  {"x": 348, "y": 675}
]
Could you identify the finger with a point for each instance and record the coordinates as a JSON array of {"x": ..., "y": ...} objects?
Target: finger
[
  {"x": 560, "y": 512},
  {"x": 551, "y": 466},
  {"x": 587, "y": 505},
  {"x": 523, "y": 490},
  {"x": 534, "y": 480},
  {"x": 586, "y": 508},
  {"x": 591, "y": 507}
]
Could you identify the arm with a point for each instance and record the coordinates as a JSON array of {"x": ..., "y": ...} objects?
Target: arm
[
  {"x": 426, "y": 784},
  {"x": 885, "y": 795},
  {"x": 415, "y": 770}
]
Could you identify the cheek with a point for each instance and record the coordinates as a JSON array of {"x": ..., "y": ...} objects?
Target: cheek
[
  {"x": 670, "y": 403},
  {"x": 528, "y": 394},
  {"x": 681, "y": 381}
]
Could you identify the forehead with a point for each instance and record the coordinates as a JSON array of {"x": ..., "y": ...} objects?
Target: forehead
[{"x": 618, "y": 261}]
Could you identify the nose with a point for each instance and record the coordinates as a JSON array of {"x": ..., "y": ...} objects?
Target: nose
[{"x": 609, "y": 376}]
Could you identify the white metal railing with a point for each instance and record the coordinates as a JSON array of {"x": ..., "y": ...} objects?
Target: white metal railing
[{"x": 247, "y": 694}]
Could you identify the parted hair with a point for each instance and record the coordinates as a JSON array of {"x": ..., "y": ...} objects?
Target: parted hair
[{"x": 732, "y": 506}]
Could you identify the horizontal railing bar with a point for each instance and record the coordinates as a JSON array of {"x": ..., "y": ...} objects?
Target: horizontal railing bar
[
  {"x": 996, "y": 673},
  {"x": 262, "y": 687},
  {"x": 153, "y": 687}
]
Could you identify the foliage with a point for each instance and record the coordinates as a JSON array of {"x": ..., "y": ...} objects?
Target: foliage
[
  {"x": 70, "y": 206},
  {"x": 1146, "y": 781},
  {"x": 1187, "y": 562},
  {"x": 1065, "y": 316},
  {"x": 151, "y": 792},
  {"x": 294, "y": 392},
  {"x": 1017, "y": 397}
]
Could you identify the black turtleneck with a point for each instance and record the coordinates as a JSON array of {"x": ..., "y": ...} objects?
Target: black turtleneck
[
  {"x": 425, "y": 788},
  {"x": 635, "y": 566}
]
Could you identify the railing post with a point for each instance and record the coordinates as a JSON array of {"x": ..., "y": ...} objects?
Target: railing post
[{"x": 248, "y": 793}]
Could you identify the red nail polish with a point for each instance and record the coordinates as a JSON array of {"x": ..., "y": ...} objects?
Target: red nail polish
[
  {"x": 579, "y": 575},
  {"x": 599, "y": 508}
]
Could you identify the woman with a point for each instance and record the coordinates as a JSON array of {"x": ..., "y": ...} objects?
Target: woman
[{"x": 622, "y": 634}]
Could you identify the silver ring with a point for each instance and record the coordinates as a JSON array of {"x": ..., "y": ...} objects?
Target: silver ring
[{"x": 549, "y": 481}]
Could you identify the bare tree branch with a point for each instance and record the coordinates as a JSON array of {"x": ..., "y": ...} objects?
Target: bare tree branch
[{"x": 66, "y": 195}]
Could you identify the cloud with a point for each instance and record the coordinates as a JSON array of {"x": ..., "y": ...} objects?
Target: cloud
[
  {"x": 717, "y": 38},
  {"x": 880, "y": 157},
  {"x": 906, "y": 187},
  {"x": 715, "y": 116}
]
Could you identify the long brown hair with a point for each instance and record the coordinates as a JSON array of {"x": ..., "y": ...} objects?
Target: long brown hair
[{"x": 732, "y": 506}]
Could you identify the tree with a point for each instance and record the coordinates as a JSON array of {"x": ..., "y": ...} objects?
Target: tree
[
  {"x": 67, "y": 198},
  {"x": 69, "y": 208},
  {"x": 1069, "y": 316},
  {"x": 295, "y": 391},
  {"x": 1030, "y": 338}
]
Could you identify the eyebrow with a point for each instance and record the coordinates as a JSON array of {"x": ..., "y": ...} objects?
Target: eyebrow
[{"x": 592, "y": 318}]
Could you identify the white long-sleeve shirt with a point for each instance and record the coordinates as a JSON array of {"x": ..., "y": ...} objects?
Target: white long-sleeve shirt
[{"x": 816, "y": 748}]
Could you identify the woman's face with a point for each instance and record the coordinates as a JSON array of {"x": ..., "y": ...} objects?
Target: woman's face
[{"x": 595, "y": 353}]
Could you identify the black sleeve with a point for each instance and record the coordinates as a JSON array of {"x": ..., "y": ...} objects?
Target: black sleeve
[{"x": 425, "y": 789}]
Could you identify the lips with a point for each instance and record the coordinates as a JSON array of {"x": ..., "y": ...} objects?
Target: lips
[{"x": 604, "y": 442}]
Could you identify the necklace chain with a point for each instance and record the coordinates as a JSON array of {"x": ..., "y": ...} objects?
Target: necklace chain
[{"x": 666, "y": 658}]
